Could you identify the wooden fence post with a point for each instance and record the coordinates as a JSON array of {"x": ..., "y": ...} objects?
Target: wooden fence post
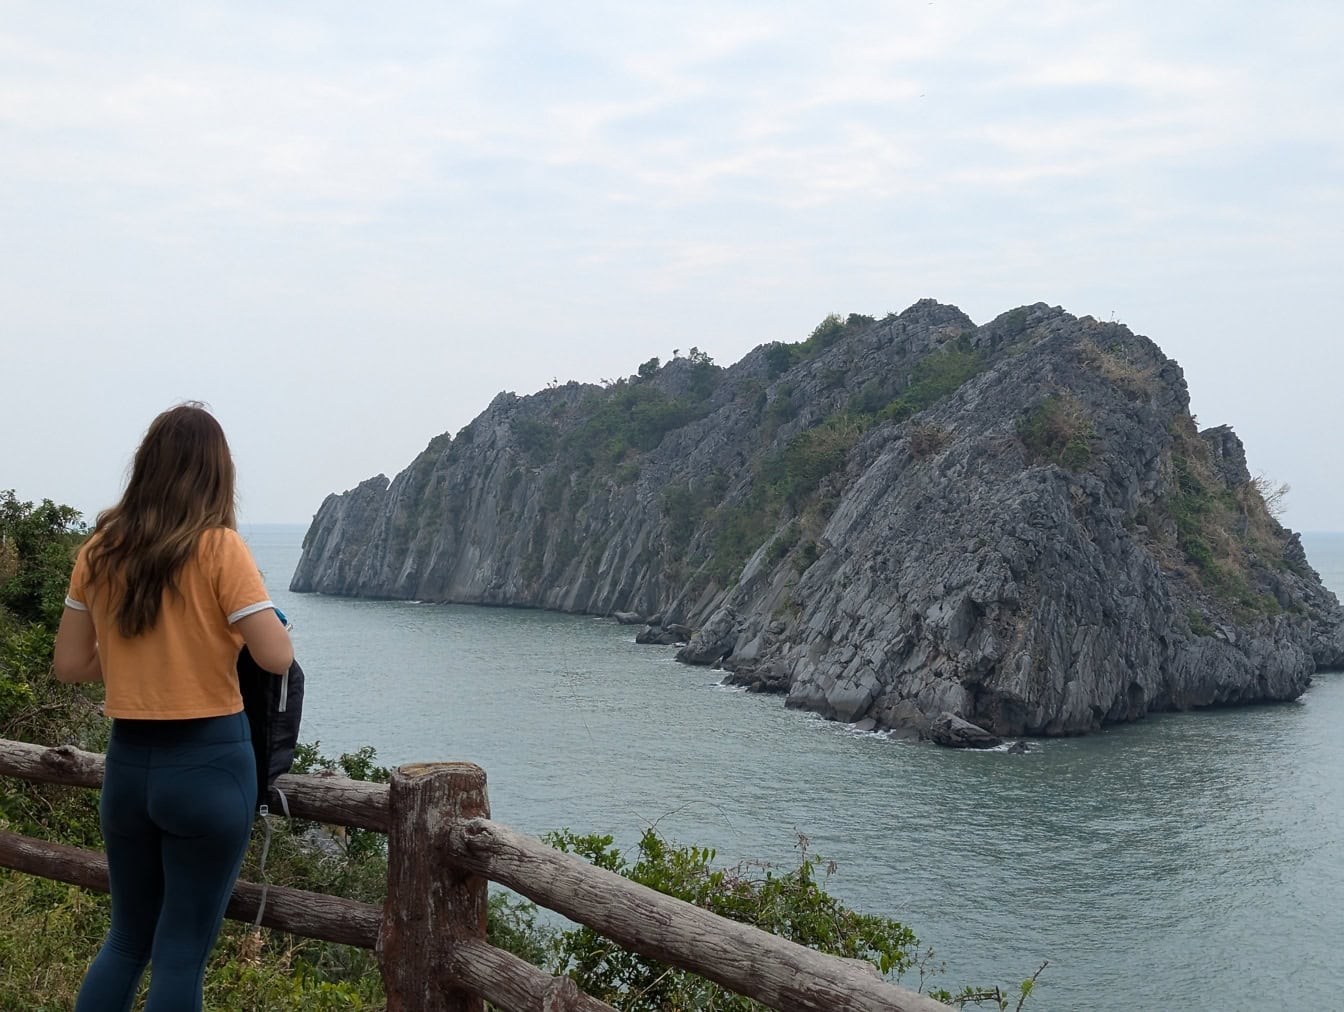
[{"x": 429, "y": 903}]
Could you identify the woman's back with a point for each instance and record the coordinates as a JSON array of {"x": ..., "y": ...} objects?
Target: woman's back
[{"x": 183, "y": 666}]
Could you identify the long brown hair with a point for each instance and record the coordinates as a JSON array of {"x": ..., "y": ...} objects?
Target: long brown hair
[{"x": 182, "y": 484}]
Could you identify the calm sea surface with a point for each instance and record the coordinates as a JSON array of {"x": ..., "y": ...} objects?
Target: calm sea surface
[{"x": 1191, "y": 861}]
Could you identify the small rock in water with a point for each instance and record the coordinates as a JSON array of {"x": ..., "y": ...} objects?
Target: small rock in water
[{"x": 954, "y": 732}]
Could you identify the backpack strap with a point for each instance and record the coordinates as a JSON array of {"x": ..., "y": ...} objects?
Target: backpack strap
[
  {"x": 284, "y": 802},
  {"x": 265, "y": 812},
  {"x": 261, "y": 867}
]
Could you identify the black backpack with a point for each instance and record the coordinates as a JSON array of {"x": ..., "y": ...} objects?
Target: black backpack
[{"x": 274, "y": 706}]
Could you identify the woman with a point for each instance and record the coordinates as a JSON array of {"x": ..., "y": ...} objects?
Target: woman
[{"x": 162, "y": 598}]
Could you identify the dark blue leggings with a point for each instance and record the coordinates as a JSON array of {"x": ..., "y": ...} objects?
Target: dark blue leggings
[{"x": 177, "y": 805}]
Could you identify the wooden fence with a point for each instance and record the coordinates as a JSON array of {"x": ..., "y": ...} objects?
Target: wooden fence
[{"x": 429, "y": 934}]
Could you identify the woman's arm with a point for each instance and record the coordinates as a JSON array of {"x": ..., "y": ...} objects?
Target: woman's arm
[
  {"x": 267, "y": 640},
  {"x": 75, "y": 658}
]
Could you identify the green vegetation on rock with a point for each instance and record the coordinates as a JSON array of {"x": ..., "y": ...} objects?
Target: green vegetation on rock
[
  {"x": 933, "y": 378},
  {"x": 788, "y": 482},
  {"x": 1058, "y": 431},
  {"x": 1221, "y": 532}
]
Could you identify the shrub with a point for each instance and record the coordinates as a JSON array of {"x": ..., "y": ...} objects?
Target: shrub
[
  {"x": 824, "y": 335},
  {"x": 1221, "y": 533},
  {"x": 1273, "y": 496},
  {"x": 37, "y": 545},
  {"x": 1199, "y": 625},
  {"x": 783, "y": 542},
  {"x": 535, "y": 439},
  {"x": 779, "y": 358},
  {"x": 686, "y": 507},
  {"x": 793, "y": 904},
  {"x": 869, "y": 400},
  {"x": 739, "y": 531},
  {"x": 705, "y": 375},
  {"x": 1058, "y": 431},
  {"x": 806, "y": 555},
  {"x": 933, "y": 378},
  {"x": 926, "y": 440},
  {"x": 779, "y": 411},
  {"x": 630, "y": 417},
  {"x": 789, "y": 902},
  {"x": 797, "y": 470}
]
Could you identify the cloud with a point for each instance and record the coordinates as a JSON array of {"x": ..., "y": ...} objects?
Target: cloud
[{"x": 490, "y": 196}]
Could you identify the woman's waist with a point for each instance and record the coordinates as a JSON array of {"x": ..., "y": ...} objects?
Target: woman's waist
[{"x": 219, "y": 730}]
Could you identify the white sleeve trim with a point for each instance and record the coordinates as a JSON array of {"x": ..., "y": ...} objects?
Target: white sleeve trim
[
  {"x": 251, "y": 609},
  {"x": 70, "y": 602}
]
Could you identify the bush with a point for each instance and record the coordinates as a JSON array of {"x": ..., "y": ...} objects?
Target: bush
[
  {"x": 1199, "y": 625},
  {"x": 869, "y": 400},
  {"x": 808, "y": 553},
  {"x": 926, "y": 440},
  {"x": 687, "y": 506},
  {"x": 630, "y": 417},
  {"x": 739, "y": 531},
  {"x": 792, "y": 904},
  {"x": 1220, "y": 535},
  {"x": 535, "y": 439},
  {"x": 795, "y": 472},
  {"x": 779, "y": 411},
  {"x": 789, "y": 902},
  {"x": 1058, "y": 431},
  {"x": 933, "y": 378},
  {"x": 705, "y": 375},
  {"x": 779, "y": 358},
  {"x": 824, "y": 335},
  {"x": 37, "y": 549}
]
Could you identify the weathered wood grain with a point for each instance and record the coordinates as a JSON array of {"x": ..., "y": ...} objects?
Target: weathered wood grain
[
  {"x": 514, "y": 984},
  {"x": 431, "y": 904},
  {"x": 321, "y": 797}
]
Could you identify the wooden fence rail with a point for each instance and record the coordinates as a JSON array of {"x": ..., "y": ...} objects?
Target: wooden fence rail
[{"x": 430, "y": 932}]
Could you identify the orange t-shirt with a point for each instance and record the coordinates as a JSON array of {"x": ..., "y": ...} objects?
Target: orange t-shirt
[{"x": 186, "y": 666}]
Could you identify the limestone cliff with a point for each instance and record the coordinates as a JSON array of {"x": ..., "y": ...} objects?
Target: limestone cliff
[{"x": 1016, "y": 523}]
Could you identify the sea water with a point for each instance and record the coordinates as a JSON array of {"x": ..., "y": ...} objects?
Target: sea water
[{"x": 1191, "y": 861}]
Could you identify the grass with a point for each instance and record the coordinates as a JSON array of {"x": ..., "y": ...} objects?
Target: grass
[
  {"x": 53, "y": 931},
  {"x": 1220, "y": 531},
  {"x": 1118, "y": 367}
]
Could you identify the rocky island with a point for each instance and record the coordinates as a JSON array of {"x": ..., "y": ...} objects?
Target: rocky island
[{"x": 917, "y": 524}]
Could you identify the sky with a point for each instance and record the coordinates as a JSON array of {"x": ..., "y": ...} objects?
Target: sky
[{"x": 347, "y": 226}]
